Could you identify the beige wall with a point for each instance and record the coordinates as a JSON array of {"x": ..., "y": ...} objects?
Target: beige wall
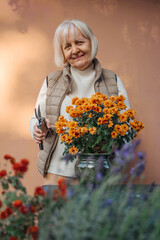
[{"x": 129, "y": 44}]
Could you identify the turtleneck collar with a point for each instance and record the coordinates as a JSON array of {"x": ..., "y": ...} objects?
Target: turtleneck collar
[{"x": 95, "y": 64}]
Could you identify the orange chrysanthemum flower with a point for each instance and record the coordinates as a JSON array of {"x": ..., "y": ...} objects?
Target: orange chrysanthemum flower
[
  {"x": 114, "y": 134},
  {"x": 69, "y": 108},
  {"x": 93, "y": 130},
  {"x": 74, "y": 99},
  {"x": 123, "y": 117},
  {"x": 110, "y": 124},
  {"x": 73, "y": 150},
  {"x": 90, "y": 115},
  {"x": 124, "y": 127}
]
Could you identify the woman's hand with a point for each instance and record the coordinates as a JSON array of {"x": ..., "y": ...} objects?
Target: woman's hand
[{"x": 38, "y": 134}]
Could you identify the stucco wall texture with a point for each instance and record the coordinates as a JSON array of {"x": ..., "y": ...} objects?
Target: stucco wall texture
[{"x": 129, "y": 44}]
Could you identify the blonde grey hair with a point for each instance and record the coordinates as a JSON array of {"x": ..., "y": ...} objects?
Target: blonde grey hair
[{"x": 64, "y": 27}]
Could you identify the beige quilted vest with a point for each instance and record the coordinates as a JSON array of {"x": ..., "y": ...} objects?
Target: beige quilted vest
[{"x": 59, "y": 85}]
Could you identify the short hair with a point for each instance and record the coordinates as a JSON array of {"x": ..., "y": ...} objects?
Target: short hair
[{"x": 64, "y": 27}]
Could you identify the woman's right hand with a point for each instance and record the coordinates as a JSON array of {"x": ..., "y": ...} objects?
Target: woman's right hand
[{"x": 38, "y": 134}]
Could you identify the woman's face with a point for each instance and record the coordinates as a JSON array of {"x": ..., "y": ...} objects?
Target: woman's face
[{"x": 77, "y": 51}]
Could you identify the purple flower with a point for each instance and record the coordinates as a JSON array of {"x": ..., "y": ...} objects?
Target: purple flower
[
  {"x": 109, "y": 201},
  {"x": 116, "y": 169},
  {"x": 99, "y": 176},
  {"x": 132, "y": 170},
  {"x": 70, "y": 192},
  {"x": 119, "y": 160},
  {"x": 139, "y": 168},
  {"x": 90, "y": 186},
  {"x": 141, "y": 155}
]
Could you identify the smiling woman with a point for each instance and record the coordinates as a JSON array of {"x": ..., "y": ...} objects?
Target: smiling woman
[{"x": 75, "y": 48}]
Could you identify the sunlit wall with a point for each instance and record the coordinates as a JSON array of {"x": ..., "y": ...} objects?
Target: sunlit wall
[{"x": 129, "y": 44}]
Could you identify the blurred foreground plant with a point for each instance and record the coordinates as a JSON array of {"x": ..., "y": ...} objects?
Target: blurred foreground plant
[{"x": 107, "y": 209}]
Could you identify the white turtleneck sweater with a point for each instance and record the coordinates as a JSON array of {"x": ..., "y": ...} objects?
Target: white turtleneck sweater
[{"x": 83, "y": 85}]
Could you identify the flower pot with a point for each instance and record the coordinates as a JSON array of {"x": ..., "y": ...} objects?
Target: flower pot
[{"x": 89, "y": 163}]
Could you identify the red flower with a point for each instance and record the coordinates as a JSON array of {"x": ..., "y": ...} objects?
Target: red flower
[
  {"x": 20, "y": 167},
  {"x": 7, "y": 156},
  {"x": 25, "y": 161},
  {"x": 9, "y": 210},
  {"x": 32, "y": 209},
  {"x": 33, "y": 230},
  {"x": 3, "y": 192},
  {"x": 3, "y": 173},
  {"x": 23, "y": 168},
  {"x": 23, "y": 209},
  {"x": 12, "y": 160},
  {"x": 17, "y": 203},
  {"x": 62, "y": 187},
  {"x": 56, "y": 194},
  {"x": 3, "y": 214},
  {"x": 16, "y": 166},
  {"x": 13, "y": 238},
  {"x": 39, "y": 191},
  {"x": 0, "y": 203}
]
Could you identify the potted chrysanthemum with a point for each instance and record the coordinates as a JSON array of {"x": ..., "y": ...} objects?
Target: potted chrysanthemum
[{"x": 99, "y": 125}]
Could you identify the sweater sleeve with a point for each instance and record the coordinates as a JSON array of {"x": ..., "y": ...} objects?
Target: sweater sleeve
[
  {"x": 122, "y": 90},
  {"x": 41, "y": 100}
]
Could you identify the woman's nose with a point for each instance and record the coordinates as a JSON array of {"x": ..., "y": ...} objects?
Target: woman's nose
[{"x": 75, "y": 49}]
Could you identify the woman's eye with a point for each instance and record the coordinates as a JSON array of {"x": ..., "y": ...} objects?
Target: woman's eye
[{"x": 66, "y": 47}]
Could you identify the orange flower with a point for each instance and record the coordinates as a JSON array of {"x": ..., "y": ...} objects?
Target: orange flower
[
  {"x": 100, "y": 121},
  {"x": 114, "y": 134},
  {"x": 74, "y": 99},
  {"x": 62, "y": 119},
  {"x": 83, "y": 130},
  {"x": 96, "y": 108},
  {"x": 17, "y": 203},
  {"x": 107, "y": 103},
  {"x": 3, "y": 173},
  {"x": 121, "y": 105},
  {"x": 110, "y": 124},
  {"x": 73, "y": 150},
  {"x": 92, "y": 130},
  {"x": 68, "y": 139},
  {"x": 117, "y": 128},
  {"x": 69, "y": 108},
  {"x": 106, "y": 110},
  {"x": 72, "y": 124},
  {"x": 122, "y": 117},
  {"x": 124, "y": 127},
  {"x": 90, "y": 115},
  {"x": 120, "y": 98},
  {"x": 74, "y": 113},
  {"x": 112, "y": 98},
  {"x": 113, "y": 110},
  {"x": 107, "y": 116},
  {"x": 63, "y": 138}
]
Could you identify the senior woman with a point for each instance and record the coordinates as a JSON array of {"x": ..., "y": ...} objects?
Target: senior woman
[{"x": 75, "y": 48}]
